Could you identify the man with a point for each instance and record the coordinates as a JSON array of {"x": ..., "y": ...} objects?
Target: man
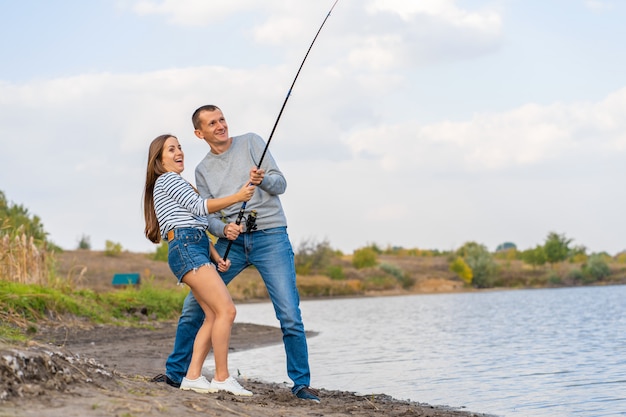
[{"x": 222, "y": 172}]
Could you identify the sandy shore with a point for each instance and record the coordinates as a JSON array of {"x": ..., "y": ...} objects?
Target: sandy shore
[{"x": 79, "y": 371}]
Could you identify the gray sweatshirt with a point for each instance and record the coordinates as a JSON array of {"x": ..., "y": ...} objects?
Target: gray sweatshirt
[{"x": 224, "y": 174}]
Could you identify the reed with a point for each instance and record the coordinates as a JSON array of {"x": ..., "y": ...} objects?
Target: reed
[{"x": 23, "y": 261}]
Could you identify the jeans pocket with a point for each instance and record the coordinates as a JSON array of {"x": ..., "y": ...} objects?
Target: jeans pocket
[{"x": 176, "y": 260}]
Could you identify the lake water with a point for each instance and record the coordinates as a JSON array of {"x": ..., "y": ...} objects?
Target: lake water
[{"x": 548, "y": 352}]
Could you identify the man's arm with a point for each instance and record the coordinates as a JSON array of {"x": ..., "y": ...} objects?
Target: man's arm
[
  {"x": 272, "y": 179},
  {"x": 216, "y": 225}
]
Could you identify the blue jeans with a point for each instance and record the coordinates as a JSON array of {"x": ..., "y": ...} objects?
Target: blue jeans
[{"x": 271, "y": 253}]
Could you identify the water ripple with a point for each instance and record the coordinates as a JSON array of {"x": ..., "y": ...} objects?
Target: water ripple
[{"x": 557, "y": 352}]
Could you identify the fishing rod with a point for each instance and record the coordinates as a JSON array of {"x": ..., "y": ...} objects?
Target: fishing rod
[{"x": 251, "y": 222}]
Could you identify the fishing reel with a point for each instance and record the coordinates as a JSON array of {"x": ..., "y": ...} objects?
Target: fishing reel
[{"x": 251, "y": 221}]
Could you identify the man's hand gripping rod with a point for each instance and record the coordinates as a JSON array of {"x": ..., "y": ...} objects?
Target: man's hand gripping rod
[{"x": 243, "y": 205}]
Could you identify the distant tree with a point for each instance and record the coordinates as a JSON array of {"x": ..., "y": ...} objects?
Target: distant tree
[
  {"x": 375, "y": 248},
  {"x": 535, "y": 257},
  {"x": 16, "y": 219},
  {"x": 505, "y": 246},
  {"x": 556, "y": 247},
  {"x": 578, "y": 254},
  {"x": 84, "y": 243}
]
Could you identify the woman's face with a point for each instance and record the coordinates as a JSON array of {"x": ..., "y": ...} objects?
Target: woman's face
[{"x": 173, "y": 157}]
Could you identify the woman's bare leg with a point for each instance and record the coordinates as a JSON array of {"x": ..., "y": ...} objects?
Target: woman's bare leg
[{"x": 214, "y": 298}]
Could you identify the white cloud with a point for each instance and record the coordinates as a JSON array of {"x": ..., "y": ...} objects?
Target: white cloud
[
  {"x": 192, "y": 12},
  {"x": 379, "y": 35},
  {"x": 492, "y": 142},
  {"x": 80, "y": 156},
  {"x": 487, "y": 21},
  {"x": 598, "y": 5}
]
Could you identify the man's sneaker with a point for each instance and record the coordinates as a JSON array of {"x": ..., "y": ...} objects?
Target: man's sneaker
[
  {"x": 164, "y": 378},
  {"x": 308, "y": 393},
  {"x": 230, "y": 385},
  {"x": 198, "y": 385}
]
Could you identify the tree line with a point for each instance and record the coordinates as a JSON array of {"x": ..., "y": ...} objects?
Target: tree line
[{"x": 22, "y": 235}]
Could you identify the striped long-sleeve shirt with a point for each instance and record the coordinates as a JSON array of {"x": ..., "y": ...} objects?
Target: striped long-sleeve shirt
[{"x": 177, "y": 204}]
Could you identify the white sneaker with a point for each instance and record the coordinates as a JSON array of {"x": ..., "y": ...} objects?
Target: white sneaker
[
  {"x": 231, "y": 385},
  {"x": 198, "y": 385}
]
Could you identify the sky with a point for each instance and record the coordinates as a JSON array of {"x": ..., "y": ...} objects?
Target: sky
[{"x": 413, "y": 123}]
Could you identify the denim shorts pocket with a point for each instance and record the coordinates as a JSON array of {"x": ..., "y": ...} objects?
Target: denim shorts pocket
[{"x": 176, "y": 260}]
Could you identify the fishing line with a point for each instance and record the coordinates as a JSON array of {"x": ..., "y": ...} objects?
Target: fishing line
[{"x": 280, "y": 113}]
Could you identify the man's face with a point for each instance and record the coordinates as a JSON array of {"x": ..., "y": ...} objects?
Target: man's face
[{"x": 213, "y": 128}]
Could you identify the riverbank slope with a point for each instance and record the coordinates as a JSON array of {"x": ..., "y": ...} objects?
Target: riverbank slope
[{"x": 77, "y": 370}]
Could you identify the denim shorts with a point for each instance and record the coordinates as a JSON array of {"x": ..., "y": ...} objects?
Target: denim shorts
[{"x": 189, "y": 250}]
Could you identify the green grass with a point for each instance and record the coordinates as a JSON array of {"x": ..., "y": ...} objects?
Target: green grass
[
  {"x": 152, "y": 301},
  {"x": 9, "y": 333},
  {"x": 24, "y": 305}
]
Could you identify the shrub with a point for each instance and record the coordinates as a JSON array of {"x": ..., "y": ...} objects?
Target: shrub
[
  {"x": 459, "y": 267},
  {"x": 596, "y": 268},
  {"x": 335, "y": 272},
  {"x": 403, "y": 279},
  {"x": 364, "y": 258},
  {"x": 554, "y": 278},
  {"x": 575, "y": 275},
  {"x": 313, "y": 257},
  {"x": 392, "y": 270},
  {"x": 112, "y": 248},
  {"x": 483, "y": 267}
]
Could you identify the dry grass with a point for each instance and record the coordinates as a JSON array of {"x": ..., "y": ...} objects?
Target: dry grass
[
  {"x": 97, "y": 269},
  {"x": 22, "y": 261},
  {"x": 97, "y": 272}
]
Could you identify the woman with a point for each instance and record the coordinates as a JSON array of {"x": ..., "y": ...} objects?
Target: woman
[{"x": 175, "y": 212}]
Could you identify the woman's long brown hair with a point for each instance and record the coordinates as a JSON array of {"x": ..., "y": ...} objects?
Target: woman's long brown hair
[{"x": 155, "y": 170}]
